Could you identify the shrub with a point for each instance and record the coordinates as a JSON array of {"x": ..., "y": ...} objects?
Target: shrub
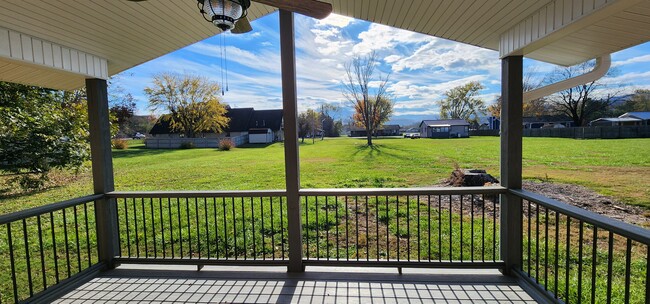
[
  {"x": 188, "y": 145},
  {"x": 226, "y": 144},
  {"x": 120, "y": 144}
]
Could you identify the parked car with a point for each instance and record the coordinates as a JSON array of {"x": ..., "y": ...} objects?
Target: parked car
[
  {"x": 412, "y": 135},
  {"x": 139, "y": 135}
]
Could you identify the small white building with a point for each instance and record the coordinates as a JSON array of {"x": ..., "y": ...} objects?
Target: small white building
[{"x": 260, "y": 136}]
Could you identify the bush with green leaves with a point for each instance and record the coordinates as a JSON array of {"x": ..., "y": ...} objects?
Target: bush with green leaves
[
  {"x": 41, "y": 130},
  {"x": 188, "y": 145}
]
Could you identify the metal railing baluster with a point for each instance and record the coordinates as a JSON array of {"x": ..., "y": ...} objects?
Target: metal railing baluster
[
  {"x": 610, "y": 260},
  {"x": 13, "y": 262},
  {"x": 252, "y": 227},
  {"x": 78, "y": 243},
  {"x": 40, "y": 247},
  {"x": 262, "y": 229},
  {"x": 153, "y": 229}
]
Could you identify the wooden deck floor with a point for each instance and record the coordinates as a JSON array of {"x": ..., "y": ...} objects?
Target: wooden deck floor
[{"x": 148, "y": 284}]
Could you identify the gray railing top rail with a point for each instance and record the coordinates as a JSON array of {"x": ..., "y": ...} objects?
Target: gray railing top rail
[
  {"x": 311, "y": 192},
  {"x": 404, "y": 191},
  {"x": 630, "y": 231},
  {"x": 19, "y": 215},
  {"x": 193, "y": 194}
]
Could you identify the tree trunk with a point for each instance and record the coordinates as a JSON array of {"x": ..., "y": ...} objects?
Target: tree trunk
[{"x": 369, "y": 136}]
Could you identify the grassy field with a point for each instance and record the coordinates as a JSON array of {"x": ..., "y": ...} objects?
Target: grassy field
[
  {"x": 613, "y": 167},
  {"x": 610, "y": 167}
]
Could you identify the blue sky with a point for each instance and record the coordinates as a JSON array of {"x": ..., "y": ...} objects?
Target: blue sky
[{"x": 421, "y": 67}]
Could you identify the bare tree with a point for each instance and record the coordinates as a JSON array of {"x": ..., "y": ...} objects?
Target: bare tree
[
  {"x": 582, "y": 102},
  {"x": 372, "y": 109}
]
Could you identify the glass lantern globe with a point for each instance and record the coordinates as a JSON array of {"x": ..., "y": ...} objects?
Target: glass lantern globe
[{"x": 224, "y": 13}]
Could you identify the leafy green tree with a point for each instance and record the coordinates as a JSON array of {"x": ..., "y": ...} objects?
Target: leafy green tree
[
  {"x": 639, "y": 102},
  {"x": 41, "y": 130},
  {"x": 308, "y": 124},
  {"x": 193, "y": 102},
  {"x": 372, "y": 108},
  {"x": 142, "y": 124},
  {"x": 303, "y": 125},
  {"x": 462, "y": 102},
  {"x": 532, "y": 108},
  {"x": 331, "y": 127},
  {"x": 122, "y": 111},
  {"x": 121, "y": 107}
]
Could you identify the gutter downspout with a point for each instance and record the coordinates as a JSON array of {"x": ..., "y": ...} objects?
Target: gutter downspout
[{"x": 603, "y": 63}]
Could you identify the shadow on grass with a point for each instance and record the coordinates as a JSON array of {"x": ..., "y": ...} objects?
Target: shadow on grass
[
  {"x": 254, "y": 146},
  {"x": 140, "y": 151},
  {"x": 8, "y": 193},
  {"x": 377, "y": 150}
]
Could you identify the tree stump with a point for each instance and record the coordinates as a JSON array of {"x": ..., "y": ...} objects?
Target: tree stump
[{"x": 471, "y": 178}]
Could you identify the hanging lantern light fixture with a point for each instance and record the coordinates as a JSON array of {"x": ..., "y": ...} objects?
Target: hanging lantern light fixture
[{"x": 223, "y": 13}]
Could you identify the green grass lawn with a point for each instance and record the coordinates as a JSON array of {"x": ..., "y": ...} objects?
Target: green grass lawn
[{"x": 610, "y": 167}]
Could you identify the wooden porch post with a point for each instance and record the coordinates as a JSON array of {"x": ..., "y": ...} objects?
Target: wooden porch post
[
  {"x": 291, "y": 154},
  {"x": 102, "y": 164},
  {"x": 511, "y": 163}
]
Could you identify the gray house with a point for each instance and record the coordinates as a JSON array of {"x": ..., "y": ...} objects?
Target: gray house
[
  {"x": 446, "y": 128},
  {"x": 643, "y": 116},
  {"x": 627, "y": 119}
]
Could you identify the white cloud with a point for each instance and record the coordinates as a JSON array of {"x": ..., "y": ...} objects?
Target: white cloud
[
  {"x": 407, "y": 89},
  {"x": 380, "y": 37},
  {"x": 450, "y": 56},
  {"x": 335, "y": 20},
  {"x": 329, "y": 41},
  {"x": 392, "y": 58},
  {"x": 633, "y": 60},
  {"x": 263, "y": 60},
  {"x": 432, "y": 113}
]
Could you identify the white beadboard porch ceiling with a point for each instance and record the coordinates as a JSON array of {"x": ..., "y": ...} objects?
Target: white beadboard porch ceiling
[{"x": 127, "y": 33}]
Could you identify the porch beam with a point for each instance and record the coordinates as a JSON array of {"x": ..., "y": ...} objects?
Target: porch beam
[
  {"x": 32, "y": 52},
  {"x": 554, "y": 21},
  {"x": 511, "y": 159},
  {"x": 291, "y": 146},
  {"x": 102, "y": 166}
]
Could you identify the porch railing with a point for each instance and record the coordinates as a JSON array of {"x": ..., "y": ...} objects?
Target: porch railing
[
  {"x": 568, "y": 254},
  {"x": 202, "y": 228},
  {"x": 47, "y": 247},
  {"x": 577, "y": 256},
  {"x": 441, "y": 227}
]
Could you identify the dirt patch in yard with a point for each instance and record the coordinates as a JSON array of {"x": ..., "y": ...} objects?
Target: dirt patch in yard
[
  {"x": 578, "y": 196},
  {"x": 585, "y": 198}
]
